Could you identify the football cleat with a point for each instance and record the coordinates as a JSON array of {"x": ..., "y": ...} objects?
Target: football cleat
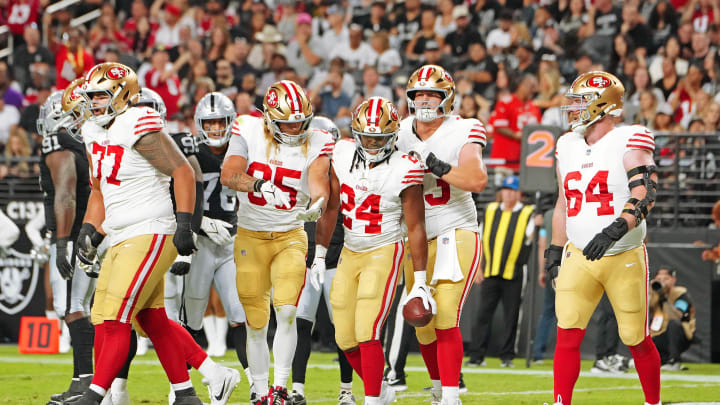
[
  {"x": 278, "y": 396},
  {"x": 188, "y": 400},
  {"x": 346, "y": 397},
  {"x": 221, "y": 389},
  {"x": 256, "y": 399},
  {"x": 461, "y": 385},
  {"x": 451, "y": 402},
  {"x": 75, "y": 390},
  {"x": 435, "y": 396},
  {"x": 397, "y": 384},
  {"x": 507, "y": 364},
  {"x": 608, "y": 364},
  {"x": 387, "y": 394},
  {"x": 297, "y": 398}
]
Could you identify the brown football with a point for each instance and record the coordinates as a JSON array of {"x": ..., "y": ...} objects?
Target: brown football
[{"x": 415, "y": 313}]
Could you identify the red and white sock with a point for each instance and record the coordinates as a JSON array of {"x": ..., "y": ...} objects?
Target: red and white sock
[
  {"x": 566, "y": 365},
  {"x": 647, "y": 364},
  {"x": 373, "y": 363}
]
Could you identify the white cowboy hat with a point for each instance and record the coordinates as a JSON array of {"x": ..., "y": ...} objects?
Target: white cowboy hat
[{"x": 269, "y": 34}]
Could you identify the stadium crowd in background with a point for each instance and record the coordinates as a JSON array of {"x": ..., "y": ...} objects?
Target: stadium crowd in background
[{"x": 511, "y": 60}]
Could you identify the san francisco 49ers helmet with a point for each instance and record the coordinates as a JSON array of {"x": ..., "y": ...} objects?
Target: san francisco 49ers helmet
[
  {"x": 592, "y": 96},
  {"x": 150, "y": 98},
  {"x": 211, "y": 107},
  {"x": 73, "y": 108},
  {"x": 326, "y": 124},
  {"x": 117, "y": 81},
  {"x": 287, "y": 103},
  {"x": 50, "y": 114},
  {"x": 375, "y": 125},
  {"x": 430, "y": 78}
]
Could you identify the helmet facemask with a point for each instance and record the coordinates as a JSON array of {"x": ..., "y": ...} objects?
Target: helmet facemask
[
  {"x": 374, "y": 147},
  {"x": 289, "y": 138},
  {"x": 427, "y": 110},
  {"x": 215, "y": 137}
]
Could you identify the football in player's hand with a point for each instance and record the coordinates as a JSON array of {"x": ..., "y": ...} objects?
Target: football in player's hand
[{"x": 416, "y": 314}]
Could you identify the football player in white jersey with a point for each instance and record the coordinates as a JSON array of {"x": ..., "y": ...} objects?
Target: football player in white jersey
[
  {"x": 380, "y": 188},
  {"x": 132, "y": 161},
  {"x": 606, "y": 183},
  {"x": 278, "y": 166},
  {"x": 451, "y": 149}
]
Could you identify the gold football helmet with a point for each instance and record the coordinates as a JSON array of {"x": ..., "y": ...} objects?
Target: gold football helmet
[
  {"x": 592, "y": 96},
  {"x": 287, "y": 103},
  {"x": 375, "y": 124},
  {"x": 430, "y": 78},
  {"x": 73, "y": 107},
  {"x": 118, "y": 82}
]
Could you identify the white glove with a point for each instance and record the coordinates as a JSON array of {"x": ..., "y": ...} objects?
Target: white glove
[
  {"x": 421, "y": 289},
  {"x": 420, "y": 151},
  {"x": 317, "y": 270},
  {"x": 313, "y": 213},
  {"x": 217, "y": 230},
  {"x": 272, "y": 194}
]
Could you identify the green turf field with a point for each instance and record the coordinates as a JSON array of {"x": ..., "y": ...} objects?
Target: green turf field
[{"x": 30, "y": 379}]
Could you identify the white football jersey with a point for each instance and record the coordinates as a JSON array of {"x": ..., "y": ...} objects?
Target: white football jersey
[
  {"x": 286, "y": 166},
  {"x": 136, "y": 195},
  {"x": 370, "y": 198},
  {"x": 596, "y": 184},
  {"x": 446, "y": 206}
]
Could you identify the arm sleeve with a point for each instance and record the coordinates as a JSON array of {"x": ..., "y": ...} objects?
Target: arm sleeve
[
  {"x": 414, "y": 174},
  {"x": 10, "y": 231},
  {"x": 641, "y": 138},
  {"x": 476, "y": 132},
  {"x": 148, "y": 122}
]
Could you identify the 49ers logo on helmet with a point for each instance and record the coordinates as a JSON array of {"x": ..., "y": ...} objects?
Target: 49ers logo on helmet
[
  {"x": 599, "y": 82},
  {"x": 393, "y": 112},
  {"x": 448, "y": 77},
  {"x": 116, "y": 73},
  {"x": 272, "y": 98},
  {"x": 75, "y": 94}
]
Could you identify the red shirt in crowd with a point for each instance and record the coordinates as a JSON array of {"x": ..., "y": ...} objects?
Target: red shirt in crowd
[
  {"x": 512, "y": 113},
  {"x": 22, "y": 13},
  {"x": 169, "y": 89},
  {"x": 71, "y": 65}
]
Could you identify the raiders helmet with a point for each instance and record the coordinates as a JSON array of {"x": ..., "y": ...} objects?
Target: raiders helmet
[{"x": 211, "y": 107}]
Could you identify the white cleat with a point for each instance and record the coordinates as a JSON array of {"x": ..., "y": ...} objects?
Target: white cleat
[
  {"x": 436, "y": 396},
  {"x": 221, "y": 389},
  {"x": 142, "y": 346},
  {"x": 451, "y": 402},
  {"x": 107, "y": 400},
  {"x": 120, "y": 398},
  {"x": 387, "y": 394}
]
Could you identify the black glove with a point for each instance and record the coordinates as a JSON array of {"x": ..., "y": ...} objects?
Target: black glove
[
  {"x": 61, "y": 259},
  {"x": 87, "y": 242},
  {"x": 553, "y": 258},
  {"x": 603, "y": 240},
  {"x": 437, "y": 166},
  {"x": 183, "y": 239},
  {"x": 181, "y": 266}
]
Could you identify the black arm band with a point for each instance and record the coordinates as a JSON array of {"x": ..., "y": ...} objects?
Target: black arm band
[
  {"x": 258, "y": 183},
  {"x": 437, "y": 166},
  {"x": 198, "y": 212},
  {"x": 183, "y": 219}
]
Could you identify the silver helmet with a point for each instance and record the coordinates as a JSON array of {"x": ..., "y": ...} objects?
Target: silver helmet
[
  {"x": 51, "y": 116},
  {"x": 325, "y": 124},
  {"x": 211, "y": 107},
  {"x": 150, "y": 98}
]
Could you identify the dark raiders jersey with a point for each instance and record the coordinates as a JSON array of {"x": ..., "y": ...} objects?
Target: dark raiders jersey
[
  {"x": 57, "y": 142},
  {"x": 336, "y": 243},
  {"x": 220, "y": 201},
  {"x": 186, "y": 142}
]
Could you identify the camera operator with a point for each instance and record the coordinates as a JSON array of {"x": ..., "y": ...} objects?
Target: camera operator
[{"x": 673, "y": 318}]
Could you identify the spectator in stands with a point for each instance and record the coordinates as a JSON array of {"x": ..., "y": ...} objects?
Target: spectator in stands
[
  {"x": 663, "y": 121},
  {"x": 663, "y": 22},
  {"x": 219, "y": 42},
  {"x": 29, "y": 115},
  {"x": 227, "y": 84},
  {"x": 168, "y": 32},
  {"x": 671, "y": 50},
  {"x": 512, "y": 112},
  {"x": 445, "y": 21},
  {"x": 372, "y": 86},
  {"x": 635, "y": 27},
  {"x": 388, "y": 60},
  {"x": 711, "y": 118},
  {"x": 526, "y": 64},
  {"x": 348, "y": 83},
  {"x": 684, "y": 34},
  {"x": 640, "y": 83},
  {"x": 72, "y": 60},
  {"x": 202, "y": 87},
  {"x": 376, "y": 20},
  {"x": 701, "y": 13},
  {"x": 337, "y": 34},
  {"x": 20, "y": 14},
  {"x": 143, "y": 39},
  {"x": 249, "y": 85},
  {"x": 30, "y": 52},
  {"x": 355, "y": 52},
  {"x": 407, "y": 23},
  {"x": 268, "y": 43},
  {"x": 333, "y": 102},
  {"x": 700, "y": 47},
  {"x": 457, "y": 42},
  {"x": 106, "y": 33},
  {"x": 484, "y": 15},
  {"x": 432, "y": 55},
  {"x": 16, "y": 152},
  {"x": 623, "y": 47},
  {"x": 278, "y": 63},
  {"x": 499, "y": 38},
  {"x": 549, "y": 84},
  {"x": 684, "y": 97},
  {"x": 673, "y": 322},
  {"x": 288, "y": 12},
  {"x": 480, "y": 69},
  {"x": 573, "y": 18},
  {"x": 9, "y": 116},
  {"x": 508, "y": 227},
  {"x": 648, "y": 105},
  {"x": 669, "y": 79},
  {"x": 244, "y": 105},
  {"x": 474, "y": 106},
  {"x": 11, "y": 96},
  {"x": 163, "y": 78},
  {"x": 304, "y": 51},
  {"x": 239, "y": 57},
  {"x": 416, "y": 47},
  {"x": 138, "y": 11},
  {"x": 604, "y": 22}
]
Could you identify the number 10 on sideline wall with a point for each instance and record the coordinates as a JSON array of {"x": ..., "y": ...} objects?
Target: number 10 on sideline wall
[
  {"x": 39, "y": 335},
  {"x": 537, "y": 170}
]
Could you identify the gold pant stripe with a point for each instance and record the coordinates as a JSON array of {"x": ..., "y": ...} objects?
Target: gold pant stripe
[
  {"x": 470, "y": 279},
  {"x": 141, "y": 276},
  {"x": 389, "y": 289}
]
